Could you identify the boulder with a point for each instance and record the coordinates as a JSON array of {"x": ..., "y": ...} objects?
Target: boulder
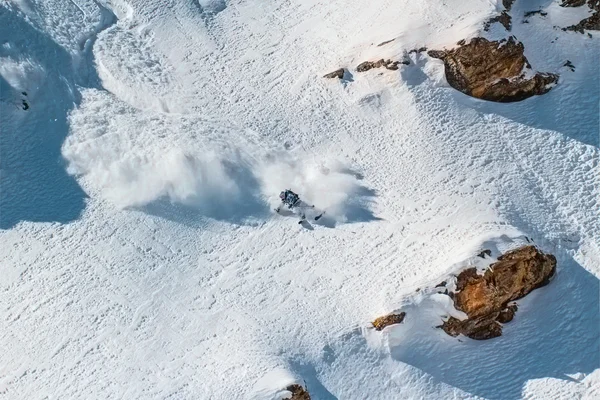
[
  {"x": 484, "y": 298},
  {"x": 387, "y": 320},
  {"x": 493, "y": 70},
  {"x": 338, "y": 73},
  {"x": 298, "y": 392}
]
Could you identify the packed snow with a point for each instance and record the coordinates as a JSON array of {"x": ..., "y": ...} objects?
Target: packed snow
[{"x": 140, "y": 254}]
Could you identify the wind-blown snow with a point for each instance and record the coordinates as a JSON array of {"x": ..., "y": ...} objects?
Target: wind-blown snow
[{"x": 141, "y": 257}]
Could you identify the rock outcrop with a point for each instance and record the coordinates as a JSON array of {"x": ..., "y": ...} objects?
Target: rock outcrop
[
  {"x": 493, "y": 70},
  {"x": 338, "y": 73},
  {"x": 485, "y": 298},
  {"x": 591, "y": 23},
  {"x": 388, "y": 64},
  {"x": 387, "y": 320},
  {"x": 298, "y": 392}
]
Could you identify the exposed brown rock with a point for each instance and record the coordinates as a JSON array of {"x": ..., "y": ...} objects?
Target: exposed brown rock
[
  {"x": 338, "y": 73},
  {"x": 592, "y": 23},
  {"x": 503, "y": 18},
  {"x": 492, "y": 70},
  {"x": 387, "y": 320},
  {"x": 388, "y": 64},
  {"x": 298, "y": 392},
  {"x": 507, "y": 314},
  {"x": 478, "y": 328},
  {"x": 484, "y": 298}
]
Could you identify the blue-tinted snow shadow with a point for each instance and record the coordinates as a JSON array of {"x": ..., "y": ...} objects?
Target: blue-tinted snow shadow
[
  {"x": 555, "y": 332},
  {"x": 312, "y": 383},
  {"x": 563, "y": 109},
  {"x": 244, "y": 207},
  {"x": 34, "y": 185},
  {"x": 357, "y": 208}
]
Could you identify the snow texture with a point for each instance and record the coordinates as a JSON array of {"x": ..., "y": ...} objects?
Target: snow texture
[{"x": 140, "y": 254}]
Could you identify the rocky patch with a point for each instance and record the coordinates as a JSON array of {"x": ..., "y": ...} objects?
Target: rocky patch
[
  {"x": 484, "y": 298},
  {"x": 298, "y": 392},
  {"x": 388, "y": 64},
  {"x": 387, "y": 320},
  {"x": 493, "y": 70},
  {"x": 592, "y": 23},
  {"x": 503, "y": 18}
]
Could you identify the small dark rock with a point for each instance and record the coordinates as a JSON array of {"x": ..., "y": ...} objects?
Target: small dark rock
[
  {"x": 570, "y": 65},
  {"x": 25, "y": 105},
  {"x": 419, "y": 50},
  {"x": 503, "y": 18},
  {"x": 338, "y": 73},
  {"x": 367, "y": 65},
  {"x": 441, "y": 284},
  {"x": 24, "y": 93},
  {"x": 298, "y": 392},
  {"x": 386, "y": 42},
  {"x": 507, "y": 314},
  {"x": 507, "y": 4},
  {"x": 387, "y": 320},
  {"x": 530, "y": 13},
  {"x": 484, "y": 253}
]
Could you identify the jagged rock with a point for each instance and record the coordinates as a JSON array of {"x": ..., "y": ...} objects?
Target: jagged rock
[
  {"x": 419, "y": 50},
  {"x": 507, "y": 4},
  {"x": 367, "y": 65},
  {"x": 492, "y": 70},
  {"x": 592, "y": 23},
  {"x": 298, "y": 392},
  {"x": 387, "y": 320},
  {"x": 484, "y": 298},
  {"x": 507, "y": 314},
  {"x": 530, "y": 13},
  {"x": 572, "y": 3},
  {"x": 441, "y": 284},
  {"x": 570, "y": 65},
  {"x": 338, "y": 73},
  {"x": 478, "y": 328},
  {"x": 484, "y": 253},
  {"x": 503, "y": 18}
]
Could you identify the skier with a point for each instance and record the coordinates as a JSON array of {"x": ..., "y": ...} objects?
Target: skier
[
  {"x": 288, "y": 198},
  {"x": 293, "y": 203}
]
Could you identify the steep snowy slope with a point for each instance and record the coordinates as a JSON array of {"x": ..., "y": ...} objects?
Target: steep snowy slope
[{"x": 141, "y": 258}]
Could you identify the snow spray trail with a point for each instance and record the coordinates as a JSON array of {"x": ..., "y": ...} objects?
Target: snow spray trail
[
  {"x": 329, "y": 185},
  {"x": 184, "y": 167}
]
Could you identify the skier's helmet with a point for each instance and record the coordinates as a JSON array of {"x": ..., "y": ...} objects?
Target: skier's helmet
[{"x": 282, "y": 196}]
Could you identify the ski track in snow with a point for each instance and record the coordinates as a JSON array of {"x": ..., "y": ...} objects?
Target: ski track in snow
[{"x": 186, "y": 118}]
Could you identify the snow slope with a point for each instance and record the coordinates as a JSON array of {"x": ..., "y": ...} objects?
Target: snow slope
[{"x": 141, "y": 258}]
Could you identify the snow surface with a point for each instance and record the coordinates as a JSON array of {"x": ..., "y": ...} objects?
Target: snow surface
[{"x": 140, "y": 254}]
